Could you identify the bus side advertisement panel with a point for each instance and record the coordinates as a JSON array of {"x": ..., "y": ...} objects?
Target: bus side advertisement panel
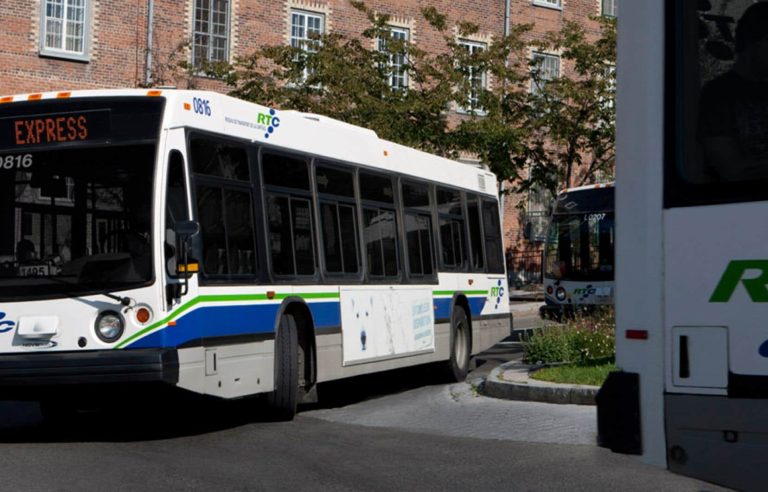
[{"x": 380, "y": 323}]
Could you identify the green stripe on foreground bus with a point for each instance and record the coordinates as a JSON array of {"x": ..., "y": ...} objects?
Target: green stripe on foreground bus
[{"x": 223, "y": 298}]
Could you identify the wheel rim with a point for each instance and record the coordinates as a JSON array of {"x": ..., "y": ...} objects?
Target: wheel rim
[{"x": 461, "y": 344}]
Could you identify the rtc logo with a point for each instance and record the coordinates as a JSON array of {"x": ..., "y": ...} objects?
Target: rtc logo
[{"x": 6, "y": 325}]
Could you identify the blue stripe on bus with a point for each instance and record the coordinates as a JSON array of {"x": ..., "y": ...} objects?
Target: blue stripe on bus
[
  {"x": 254, "y": 319},
  {"x": 229, "y": 320}
]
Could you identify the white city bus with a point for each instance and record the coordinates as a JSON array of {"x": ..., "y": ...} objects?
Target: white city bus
[
  {"x": 692, "y": 261},
  {"x": 194, "y": 240},
  {"x": 578, "y": 255}
]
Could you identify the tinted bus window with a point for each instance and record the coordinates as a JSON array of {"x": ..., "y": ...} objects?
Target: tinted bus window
[
  {"x": 290, "y": 235},
  {"x": 718, "y": 111},
  {"x": 418, "y": 229},
  {"x": 339, "y": 228},
  {"x": 452, "y": 242},
  {"x": 333, "y": 181},
  {"x": 380, "y": 239},
  {"x": 475, "y": 233},
  {"x": 376, "y": 188},
  {"x": 284, "y": 171},
  {"x": 493, "y": 246},
  {"x": 219, "y": 159}
]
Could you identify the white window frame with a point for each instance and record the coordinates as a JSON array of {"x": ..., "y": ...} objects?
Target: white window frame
[
  {"x": 612, "y": 10},
  {"x": 398, "y": 76},
  {"x": 550, "y": 4},
  {"x": 210, "y": 33},
  {"x": 300, "y": 39},
  {"x": 535, "y": 88},
  {"x": 67, "y": 26},
  {"x": 472, "y": 105}
]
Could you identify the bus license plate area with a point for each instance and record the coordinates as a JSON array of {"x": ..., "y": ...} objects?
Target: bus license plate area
[{"x": 34, "y": 271}]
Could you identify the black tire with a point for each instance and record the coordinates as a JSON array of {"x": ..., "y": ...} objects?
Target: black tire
[
  {"x": 283, "y": 399},
  {"x": 461, "y": 346}
]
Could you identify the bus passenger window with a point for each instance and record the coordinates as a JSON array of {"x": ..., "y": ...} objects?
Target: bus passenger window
[
  {"x": 380, "y": 242},
  {"x": 493, "y": 246},
  {"x": 338, "y": 218},
  {"x": 339, "y": 238},
  {"x": 290, "y": 236},
  {"x": 224, "y": 207},
  {"x": 475, "y": 234},
  {"x": 732, "y": 127},
  {"x": 418, "y": 229},
  {"x": 451, "y": 215}
]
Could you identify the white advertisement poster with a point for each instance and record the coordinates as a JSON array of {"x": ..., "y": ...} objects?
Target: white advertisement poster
[{"x": 386, "y": 322}]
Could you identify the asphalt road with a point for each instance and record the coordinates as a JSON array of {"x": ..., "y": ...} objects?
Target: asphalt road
[
  {"x": 433, "y": 437},
  {"x": 402, "y": 430}
]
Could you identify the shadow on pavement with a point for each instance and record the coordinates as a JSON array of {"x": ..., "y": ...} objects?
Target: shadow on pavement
[{"x": 175, "y": 414}]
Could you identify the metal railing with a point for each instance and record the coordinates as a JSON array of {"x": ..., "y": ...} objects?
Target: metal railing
[{"x": 525, "y": 269}]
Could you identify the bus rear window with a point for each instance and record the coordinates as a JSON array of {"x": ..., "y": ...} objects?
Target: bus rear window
[{"x": 720, "y": 110}]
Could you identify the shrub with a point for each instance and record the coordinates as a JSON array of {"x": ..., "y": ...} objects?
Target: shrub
[
  {"x": 547, "y": 345},
  {"x": 585, "y": 338}
]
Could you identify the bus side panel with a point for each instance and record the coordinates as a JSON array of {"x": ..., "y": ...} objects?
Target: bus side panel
[{"x": 640, "y": 152}]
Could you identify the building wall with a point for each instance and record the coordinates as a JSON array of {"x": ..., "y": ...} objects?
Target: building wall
[{"x": 118, "y": 44}]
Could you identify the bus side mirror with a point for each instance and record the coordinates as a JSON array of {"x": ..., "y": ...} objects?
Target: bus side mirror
[{"x": 185, "y": 265}]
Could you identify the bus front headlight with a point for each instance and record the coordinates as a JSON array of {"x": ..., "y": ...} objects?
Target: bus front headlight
[
  {"x": 109, "y": 326},
  {"x": 560, "y": 294}
]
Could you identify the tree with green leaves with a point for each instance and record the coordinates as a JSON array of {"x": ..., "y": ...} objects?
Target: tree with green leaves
[{"x": 561, "y": 134}]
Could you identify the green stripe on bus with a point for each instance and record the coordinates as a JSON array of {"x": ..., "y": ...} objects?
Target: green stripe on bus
[
  {"x": 467, "y": 292},
  {"x": 222, "y": 298}
]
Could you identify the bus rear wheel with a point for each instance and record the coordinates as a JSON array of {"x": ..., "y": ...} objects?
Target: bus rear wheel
[
  {"x": 282, "y": 401},
  {"x": 458, "y": 363}
]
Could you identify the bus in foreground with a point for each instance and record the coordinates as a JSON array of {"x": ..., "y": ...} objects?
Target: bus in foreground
[
  {"x": 692, "y": 263},
  {"x": 578, "y": 254},
  {"x": 189, "y": 239}
]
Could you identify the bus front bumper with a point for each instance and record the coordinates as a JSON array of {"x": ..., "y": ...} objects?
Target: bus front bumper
[{"x": 36, "y": 370}]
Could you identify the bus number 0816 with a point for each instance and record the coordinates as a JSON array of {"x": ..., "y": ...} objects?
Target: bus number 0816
[
  {"x": 201, "y": 106},
  {"x": 16, "y": 161}
]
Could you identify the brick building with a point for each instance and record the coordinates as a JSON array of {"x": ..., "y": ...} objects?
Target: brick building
[{"x": 83, "y": 44}]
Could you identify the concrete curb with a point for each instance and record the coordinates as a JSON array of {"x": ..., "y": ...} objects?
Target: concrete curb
[{"x": 510, "y": 381}]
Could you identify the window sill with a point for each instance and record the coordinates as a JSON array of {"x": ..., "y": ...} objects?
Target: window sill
[
  {"x": 63, "y": 55},
  {"x": 547, "y": 5}
]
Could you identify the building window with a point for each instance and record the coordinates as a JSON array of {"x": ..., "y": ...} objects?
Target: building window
[
  {"x": 537, "y": 214},
  {"x": 610, "y": 8},
  {"x": 305, "y": 28},
  {"x": 65, "y": 29},
  {"x": 477, "y": 78},
  {"x": 210, "y": 37},
  {"x": 398, "y": 75},
  {"x": 555, "y": 4},
  {"x": 544, "y": 68}
]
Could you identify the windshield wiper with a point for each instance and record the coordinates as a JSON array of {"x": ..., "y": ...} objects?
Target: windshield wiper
[{"x": 125, "y": 301}]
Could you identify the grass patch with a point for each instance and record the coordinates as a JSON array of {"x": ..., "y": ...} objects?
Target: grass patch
[{"x": 590, "y": 374}]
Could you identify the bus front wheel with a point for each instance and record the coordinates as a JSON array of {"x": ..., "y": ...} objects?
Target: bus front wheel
[
  {"x": 283, "y": 399},
  {"x": 458, "y": 363}
]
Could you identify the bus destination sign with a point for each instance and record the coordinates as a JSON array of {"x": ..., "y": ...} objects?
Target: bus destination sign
[{"x": 57, "y": 128}]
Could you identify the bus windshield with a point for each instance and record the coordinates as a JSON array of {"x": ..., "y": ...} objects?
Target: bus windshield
[
  {"x": 580, "y": 248},
  {"x": 581, "y": 237},
  {"x": 76, "y": 216}
]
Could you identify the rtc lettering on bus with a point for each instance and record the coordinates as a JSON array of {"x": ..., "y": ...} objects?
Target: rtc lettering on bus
[
  {"x": 51, "y": 130},
  {"x": 756, "y": 286}
]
